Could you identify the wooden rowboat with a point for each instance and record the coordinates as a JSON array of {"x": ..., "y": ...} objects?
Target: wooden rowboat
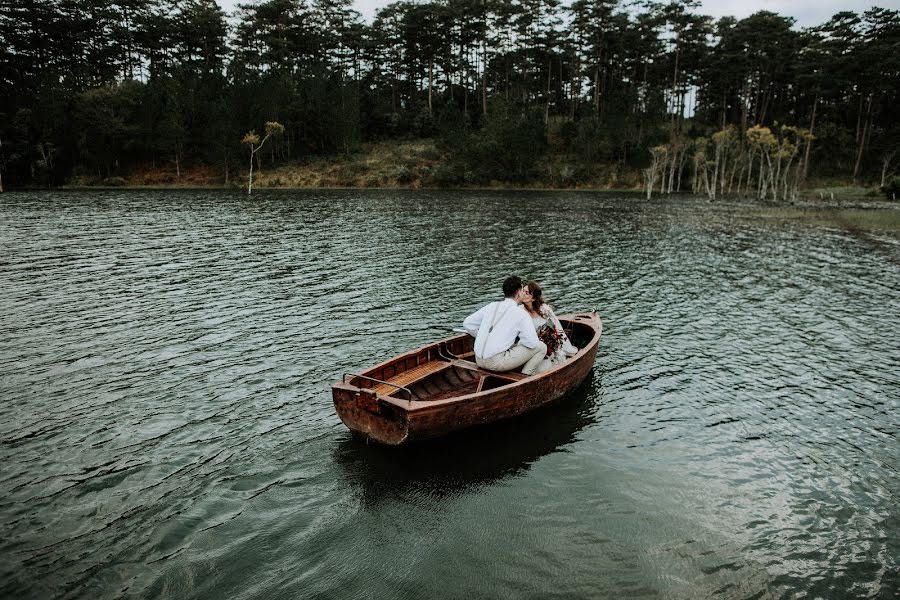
[{"x": 438, "y": 389}]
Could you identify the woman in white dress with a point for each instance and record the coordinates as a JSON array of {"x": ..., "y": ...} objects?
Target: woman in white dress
[{"x": 542, "y": 316}]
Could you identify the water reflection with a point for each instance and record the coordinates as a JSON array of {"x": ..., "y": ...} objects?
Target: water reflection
[{"x": 470, "y": 459}]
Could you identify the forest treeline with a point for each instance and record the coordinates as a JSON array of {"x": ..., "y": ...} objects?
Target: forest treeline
[{"x": 93, "y": 88}]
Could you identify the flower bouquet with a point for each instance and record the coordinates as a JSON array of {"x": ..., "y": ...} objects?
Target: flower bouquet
[{"x": 550, "y": 336}]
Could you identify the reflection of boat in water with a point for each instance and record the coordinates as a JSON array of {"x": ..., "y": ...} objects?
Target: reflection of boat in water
[
  {"x": 475, "y": 457},
  {"x": 436, "y": 390}
]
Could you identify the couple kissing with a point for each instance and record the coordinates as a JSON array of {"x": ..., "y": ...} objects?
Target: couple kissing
[{"x": 519, "y": 331}]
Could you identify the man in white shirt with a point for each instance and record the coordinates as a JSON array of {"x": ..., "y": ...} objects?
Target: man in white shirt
[{"x": 505, "y": 338}]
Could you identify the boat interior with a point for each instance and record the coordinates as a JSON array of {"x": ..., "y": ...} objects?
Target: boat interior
[{"x": 446, "y": 370}]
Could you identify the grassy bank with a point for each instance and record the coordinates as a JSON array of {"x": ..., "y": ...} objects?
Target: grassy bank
[
  {"x": 393, "y": 164},
  {"x": 849, "y": 219},
  {"x": 839, "y": 191},
  {"x": 420, "y": 164}
]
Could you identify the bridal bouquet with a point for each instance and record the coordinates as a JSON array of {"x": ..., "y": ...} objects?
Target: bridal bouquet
[{"x": 550, "y": 336}]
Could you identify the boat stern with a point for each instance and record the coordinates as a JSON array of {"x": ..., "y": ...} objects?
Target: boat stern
[{"x": 365, "y": 412}]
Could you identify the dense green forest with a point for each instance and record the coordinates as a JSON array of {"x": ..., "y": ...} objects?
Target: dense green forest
[{"x": 93, "y": 88}]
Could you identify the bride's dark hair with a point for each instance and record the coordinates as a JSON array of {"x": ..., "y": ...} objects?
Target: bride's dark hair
[{"x": 537, "y": 296}]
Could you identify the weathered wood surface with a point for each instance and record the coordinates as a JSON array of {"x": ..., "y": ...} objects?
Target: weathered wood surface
[{"x": 443, "y": 392}]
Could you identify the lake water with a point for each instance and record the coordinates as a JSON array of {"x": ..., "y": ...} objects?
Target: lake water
[{"x": 167, "y": 431}]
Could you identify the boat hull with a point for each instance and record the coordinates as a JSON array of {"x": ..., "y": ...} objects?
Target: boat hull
[{"x": 393, "y": 419}]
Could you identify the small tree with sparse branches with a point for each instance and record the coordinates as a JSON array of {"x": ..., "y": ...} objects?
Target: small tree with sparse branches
[{"x": 251, "y": 139}]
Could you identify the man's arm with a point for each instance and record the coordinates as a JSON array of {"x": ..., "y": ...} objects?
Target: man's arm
[
  {"x": 473, "y": 322},
  {"x": 527, "y": 334}
]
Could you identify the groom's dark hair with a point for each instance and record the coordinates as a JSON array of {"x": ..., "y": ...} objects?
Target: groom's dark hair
[{"x": 511, "y": 286}]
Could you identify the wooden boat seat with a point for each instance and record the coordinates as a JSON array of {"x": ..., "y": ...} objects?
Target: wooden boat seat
[
  {"x": 467, "y": 364},
  {"x": 410, "y": 376}
]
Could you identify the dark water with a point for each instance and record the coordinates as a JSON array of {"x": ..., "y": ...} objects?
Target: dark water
[{"x": 166, "y": 427}]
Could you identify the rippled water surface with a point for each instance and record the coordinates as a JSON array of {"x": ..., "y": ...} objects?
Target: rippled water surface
[{"x": 166, "y": 426}]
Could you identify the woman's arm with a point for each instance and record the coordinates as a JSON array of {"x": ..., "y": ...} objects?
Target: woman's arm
[
  {"x": 568, "y": 348},
  {"x": 551, "y": 318}
]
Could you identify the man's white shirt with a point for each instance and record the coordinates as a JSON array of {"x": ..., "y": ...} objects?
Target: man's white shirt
[{"x": 509, "y": 320}]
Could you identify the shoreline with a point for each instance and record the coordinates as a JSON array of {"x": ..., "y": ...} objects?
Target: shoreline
[
  {"x": 809, "y": 198},
  {"x": 408, "y": 165}
]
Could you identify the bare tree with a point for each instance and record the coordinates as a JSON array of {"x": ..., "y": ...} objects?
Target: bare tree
[{"x": 251, "y": 139}]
